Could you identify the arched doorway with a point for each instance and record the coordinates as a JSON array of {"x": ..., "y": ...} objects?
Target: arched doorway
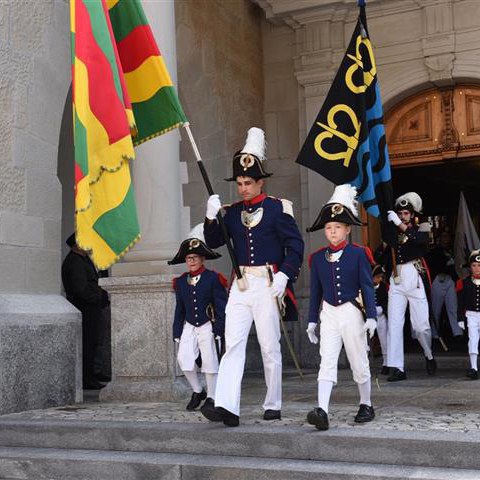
[{"x": 434, "y": 146}]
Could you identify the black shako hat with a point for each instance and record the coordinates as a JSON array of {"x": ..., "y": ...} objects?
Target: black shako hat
[
  {"x": 342, "y": 208},
  {"x": 194, "y": 243},
  {"x": 248, "y": 162}
]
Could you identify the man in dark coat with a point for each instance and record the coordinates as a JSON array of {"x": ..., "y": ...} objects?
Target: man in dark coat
[{"x": 80, "y": 281}]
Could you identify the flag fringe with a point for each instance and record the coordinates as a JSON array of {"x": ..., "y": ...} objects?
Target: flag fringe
[{"x": 157, "y": 134}]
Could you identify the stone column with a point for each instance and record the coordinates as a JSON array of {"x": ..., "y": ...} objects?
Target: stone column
[{"x": 144, "y": 366}]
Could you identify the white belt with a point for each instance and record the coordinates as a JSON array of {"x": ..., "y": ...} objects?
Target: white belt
[{"x": 257, "y": 271}]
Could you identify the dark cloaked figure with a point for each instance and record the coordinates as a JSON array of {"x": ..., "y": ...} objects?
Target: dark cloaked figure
[{"x": 80, "y": 281}]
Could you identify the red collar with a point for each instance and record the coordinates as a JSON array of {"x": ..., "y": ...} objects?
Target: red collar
[
  {"x": 255, "y": 200},
  {"x": 197, "y": 272},
  {"x": 336, "y": 248},
  {"x": 476, "y": 277}
]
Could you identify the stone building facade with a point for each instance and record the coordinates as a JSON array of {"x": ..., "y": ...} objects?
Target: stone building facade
[{"x": 240, "y": 63}]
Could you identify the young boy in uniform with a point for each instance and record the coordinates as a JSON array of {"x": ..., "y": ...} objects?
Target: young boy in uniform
[
  {"x": 469, "y": 309},
  {"x": 339, "y": 272},
  {"x": 199, "y": 315}
]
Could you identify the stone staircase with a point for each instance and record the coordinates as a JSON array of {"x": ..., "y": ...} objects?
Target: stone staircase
[{"x": 62, "y": 449}]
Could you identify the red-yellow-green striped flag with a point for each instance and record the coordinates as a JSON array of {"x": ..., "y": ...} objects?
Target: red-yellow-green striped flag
[
  {"x": 155, "y": 103},
  {"x": 105, "y": 213}
]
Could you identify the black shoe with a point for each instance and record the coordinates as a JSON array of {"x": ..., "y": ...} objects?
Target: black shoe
[
  {"x": 431, "y": 366},
  {"x": 229, "y": 418},
  {"x": 472, "y": 374},
  {"x": 93, "y": 385},
  {"x": 385, "y": 370},
  {"x": 196, "y": 400},
  {"x": 396, "y": 376},
  {"x": 319, "y": 418},
  {"x": 210, "y": 412},
  {"x": 272, "y": 415},
  {"x": 365, "y": 414}
]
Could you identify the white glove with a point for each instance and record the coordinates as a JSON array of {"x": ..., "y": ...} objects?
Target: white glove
[
  {"x": 379, "y": 310},
  {"x": 213, "y": 207},
  {"x": 218, "y": 337},
  {"x": 393, "y": 217},
  {"x": 279, "y": 284},
  {"x": 461, "y": 325},
  {"x": 176, "y": 340},
  {"x": 311, "y": 333},
  {"x": 370, "y": 327}
]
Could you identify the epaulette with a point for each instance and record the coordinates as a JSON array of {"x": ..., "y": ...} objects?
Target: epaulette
[
  {"x": 459, "y": 285},
  {"x": 368, "y": 252},
  {"x": 287, "y": 205},
  {"x": 312, "y": 254},
  {"x": 174, "y": 281}
]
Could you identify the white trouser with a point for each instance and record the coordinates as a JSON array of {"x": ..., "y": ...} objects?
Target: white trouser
[
  {"x": 382, "y": 331},
  {"x": 342, "y": 325},
  {"x": 412, "y": 291},
  {"x": 473, "y": 321},
  {"x": 444, "y": 292},
  {"x": 256, "y": 304},
  {"x": 194, "y": 340}
]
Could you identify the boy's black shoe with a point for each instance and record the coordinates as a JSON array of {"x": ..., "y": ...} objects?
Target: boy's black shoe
[
  {"x": 229, "y": 418},
  {"x": 272, "y": 415},
  {"x": 385, "y": 370},
  {"x": 397, "y": 375},
  {"x": 196, "y": 400},
  {"x": 472, "y": 374},
  {"x": 431, "y": 366},
  {"x": 319, "y": 418},
  {"x": 365, "y": 414},
  {"x": 219, "y": 414}
]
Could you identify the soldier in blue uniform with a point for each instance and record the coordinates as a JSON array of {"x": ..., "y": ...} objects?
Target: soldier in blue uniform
[
  {"x": 199, "y": 315},
  {"x": 269, "y": 249},
  {"x": 339, "y": 272},
  {"x": 469, "y": 310},
  {"x": 408, "y": 286}
]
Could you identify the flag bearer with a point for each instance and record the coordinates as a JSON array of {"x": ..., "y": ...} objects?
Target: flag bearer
[
  {"x": 199, "y": 315},
  {"x": 469, "y": 310},
  {"x": 408, "y": 286},
  {"x": 339, "y": 272},
  {"x": 269, "y": 249}
]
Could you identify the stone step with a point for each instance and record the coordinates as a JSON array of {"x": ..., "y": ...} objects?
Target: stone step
[
  {"x": 344, "y": 445},
  {"x": 62, "y": 464}
]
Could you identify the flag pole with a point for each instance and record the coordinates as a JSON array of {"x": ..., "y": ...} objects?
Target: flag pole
[{"x": 240, "y": 279}]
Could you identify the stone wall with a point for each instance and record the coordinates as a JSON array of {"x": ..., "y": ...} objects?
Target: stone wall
[{"x": 220, "y": 82}]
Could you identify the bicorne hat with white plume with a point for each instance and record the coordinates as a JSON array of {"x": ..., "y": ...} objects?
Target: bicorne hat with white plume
[
  {"x": 409, "y": 201},
  {"x": 248, "y": 162},
  {"x": 342, "y": 207},
  {"x": 194, "y": 243}
]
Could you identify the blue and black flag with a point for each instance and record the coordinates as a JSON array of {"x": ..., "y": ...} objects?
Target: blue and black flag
[{"x": 347, "y": 143}]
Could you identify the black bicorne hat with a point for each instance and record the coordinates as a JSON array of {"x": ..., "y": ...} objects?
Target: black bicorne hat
[
  {"x": 194, "y": 244},
  {"x": 71, "y": 240},
  {"x": 474, "y": 257},
  {"x": 340, "y": 208},
  {"x": 248, "y": 162}
]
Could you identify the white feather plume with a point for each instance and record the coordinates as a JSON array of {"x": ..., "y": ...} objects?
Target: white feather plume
[
  {"x": 413, "y": 198},
  {"x": 345, "y": 195},
  {"x": 197, "y": 232},
  {"x": 255, "y": 143}
]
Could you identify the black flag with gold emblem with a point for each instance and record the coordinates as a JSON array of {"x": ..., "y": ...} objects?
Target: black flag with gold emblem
[{"x": 347, "y": 143}]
